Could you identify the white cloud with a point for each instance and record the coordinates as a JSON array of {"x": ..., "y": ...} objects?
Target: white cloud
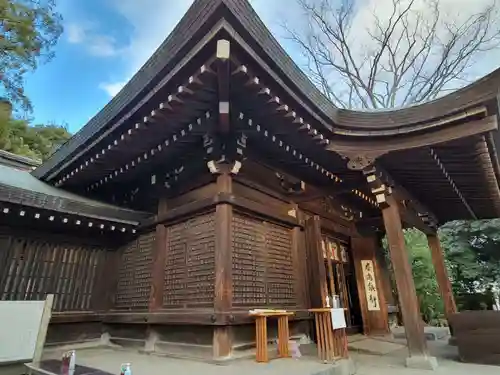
[
  {"x": 112, "y": 88},
  {"x": 75, "y": 33},
  {"x": 102, "y": 46},
  {"x": 151, "y": 21},
  {"x": 96, "y": 44}
]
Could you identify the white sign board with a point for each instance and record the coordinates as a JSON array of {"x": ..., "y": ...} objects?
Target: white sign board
[
  {"x": 338, "y": 318},
  {"x": 19, "y": 326},
  {"x": 370, "y": 285}
]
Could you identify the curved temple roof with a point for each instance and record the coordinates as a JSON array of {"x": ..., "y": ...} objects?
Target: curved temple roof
[{"x": 388, "y": 135}]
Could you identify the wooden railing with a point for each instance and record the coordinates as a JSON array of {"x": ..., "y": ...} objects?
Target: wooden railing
[{"x": 331, "y": 343}]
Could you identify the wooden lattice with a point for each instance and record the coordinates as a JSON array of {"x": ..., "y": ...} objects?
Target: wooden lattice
[
  {"x": 134, "y": 277},
  {"x": 30, "y": 269},
  {"x": 190, "y": 263}
]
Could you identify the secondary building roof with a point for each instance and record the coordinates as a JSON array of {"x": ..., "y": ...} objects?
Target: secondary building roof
[{"x": 20, "y": 187}]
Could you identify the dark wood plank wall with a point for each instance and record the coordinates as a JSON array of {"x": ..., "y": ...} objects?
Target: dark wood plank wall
[{"x": 31, "y": 268}]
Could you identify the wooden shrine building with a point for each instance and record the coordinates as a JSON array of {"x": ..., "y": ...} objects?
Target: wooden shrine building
[{"x": 220, "y": 180}]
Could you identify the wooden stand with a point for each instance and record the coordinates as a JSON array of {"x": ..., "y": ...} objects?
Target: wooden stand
[
  {"x": 332, "y": 343},
  {"x": 261, "y": 334}
]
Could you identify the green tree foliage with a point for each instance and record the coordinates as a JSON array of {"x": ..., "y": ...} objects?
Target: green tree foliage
[
  {"x": 431, "y": 304},
  {"x": 473, "y": 257},
  {"x": 37, "y": 142},
  {"x": 29, "y": 29}
]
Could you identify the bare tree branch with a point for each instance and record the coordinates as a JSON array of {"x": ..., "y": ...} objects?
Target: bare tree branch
[{"x": 410, "y": 55}]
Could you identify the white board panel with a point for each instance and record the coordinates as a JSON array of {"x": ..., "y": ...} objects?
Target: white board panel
[{"x": 19, "y": 326}]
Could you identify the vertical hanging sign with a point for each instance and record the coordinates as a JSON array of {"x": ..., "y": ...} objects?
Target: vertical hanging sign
[{"x": 370, "y": 285}]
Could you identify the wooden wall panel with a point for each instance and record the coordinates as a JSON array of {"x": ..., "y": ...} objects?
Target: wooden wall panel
[
  {"x": 280, "y": 275},
  {"x": 190, "y": 263},
  {"x": 32, "y": 268},
  {"x": 248, "y": 261},
  {"x": 134, "y": 276},
  {"x": 263, "y": 273},
  {"x": 365, "y": 249}
]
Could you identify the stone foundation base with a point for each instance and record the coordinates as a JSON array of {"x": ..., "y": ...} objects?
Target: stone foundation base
[
  {"x": 422, "y": 362},
  {"x": 341, "y": 367}
]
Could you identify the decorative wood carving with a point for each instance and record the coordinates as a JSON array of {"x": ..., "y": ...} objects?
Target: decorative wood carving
[{"x": 360, "y": 162}]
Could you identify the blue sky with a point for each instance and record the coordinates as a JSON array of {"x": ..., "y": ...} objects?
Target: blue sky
[{"x": 106, "y": 41}]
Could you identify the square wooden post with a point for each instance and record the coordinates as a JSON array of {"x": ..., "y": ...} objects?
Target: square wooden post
[
  {"x": 444, "y": 284},
  {"x": 318, "y": 289},
  {"x": 410, "y": 309},
  {"x": 159, "y": 259},
  {"x": 222, "y": 342}
]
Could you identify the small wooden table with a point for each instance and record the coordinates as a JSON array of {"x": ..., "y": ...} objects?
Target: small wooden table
[
  {"x": 332, "y": 343},
  {"x": 261, "y": 333}
]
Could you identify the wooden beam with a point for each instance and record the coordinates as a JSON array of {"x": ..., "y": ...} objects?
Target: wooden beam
[
  {"x": 366, "y": 143},
  {"x": 412, "y": 219},
  {"x": 223, "y": 53},
  {"x": 413, "y": 212},
  {"x": 442, "y": 275}
]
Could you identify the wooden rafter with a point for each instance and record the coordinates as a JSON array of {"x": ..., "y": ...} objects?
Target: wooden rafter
[{"x": 436, "y": 157}]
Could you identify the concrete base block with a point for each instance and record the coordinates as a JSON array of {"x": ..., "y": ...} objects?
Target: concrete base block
[
  {"x": 150, "y": 344},
  {"x": 105, "y": 339},
  {"x": 422, "y": 362},
  {"x": 346, "y": 367},
  {"x": 341, "y": 367}
]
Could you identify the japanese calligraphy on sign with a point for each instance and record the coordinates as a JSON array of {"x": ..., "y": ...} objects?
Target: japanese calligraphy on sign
[{"x": 370, "y": 285}]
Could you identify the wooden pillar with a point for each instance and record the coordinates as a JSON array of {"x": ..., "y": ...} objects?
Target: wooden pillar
[
  {"x": 318, "y": 289},
  {"x": 222, "y": 342},
  {"x": 159, "y": 259},
  {"x": 408, "y": 302},
  {"x": 410, "y": 309},
  {"x": 299, "y": 260},
  {"x": 444, "y": 284}
]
